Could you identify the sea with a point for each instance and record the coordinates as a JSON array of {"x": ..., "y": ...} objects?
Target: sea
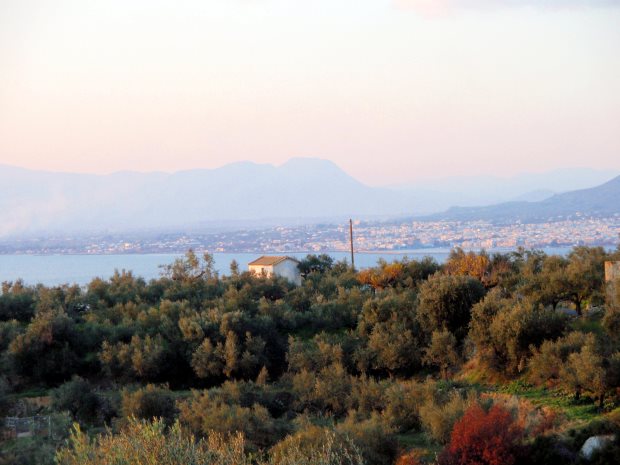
[{"x": 54, "y": 270}]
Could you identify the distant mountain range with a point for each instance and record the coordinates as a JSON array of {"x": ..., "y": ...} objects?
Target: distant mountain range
[
  {"x": 235, "y": 195},
  {"x": 487, "y": 190},
  {"x": 600, "y": 201},
  {"x": 249, "y": 194}
]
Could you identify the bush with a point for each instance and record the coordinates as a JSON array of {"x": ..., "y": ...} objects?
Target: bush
[
  {"x": 17, "y": 302},
  {"x": 149, "y": 403},
  {"x": 9, "y": 330},
  {"x": 442, "y": 352},
  {"x": 518, "y": 327},
  {"x": 45, "y": 353},
  {"x": 27, "y": 451},
  {"x": 483, "y": 438},
  {"x": 328, "y": 390},
  {"x": 438, "y": 418},
  {"x": 314, "y": 445},
  {"x": 392, "y": 334},
  {"x": 374, "y": 438},
  {"x": 445, "y": 302},
  {"x": 275, "y": 398},
  {"x": 313, "y": 355},
  {"x": 142, "y": 358},
  {"x": 403, "y": 402},
  {"x": 150, "y": 443},
  {"x": 79, "y": 399},
  {"x": 205, "y": 412},
  {"x": 367, "y": 395},
  {"x": 545, "y": 366}
]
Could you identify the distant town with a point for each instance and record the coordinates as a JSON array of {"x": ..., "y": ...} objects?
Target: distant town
[{"x": 395, "y": 235}]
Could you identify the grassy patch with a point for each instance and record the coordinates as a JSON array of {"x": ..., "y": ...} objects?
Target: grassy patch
[
  {"x": 181, "y": 394},
  {"x": 421, "y": 443},
  {"x": 589, "y": 324},
  {"x": 582, "y": 411},
  {"x": 32, "y": 392}
]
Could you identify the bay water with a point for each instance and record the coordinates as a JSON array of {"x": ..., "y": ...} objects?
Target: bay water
[{"x": 52, "y": 270}]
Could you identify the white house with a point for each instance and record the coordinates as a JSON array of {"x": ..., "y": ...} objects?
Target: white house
[{"x": 282, "y": 266}]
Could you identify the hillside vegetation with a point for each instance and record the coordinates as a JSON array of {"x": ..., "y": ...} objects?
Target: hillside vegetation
[{"x": 489, "y": 359}]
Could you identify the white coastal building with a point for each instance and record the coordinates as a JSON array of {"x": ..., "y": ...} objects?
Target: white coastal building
[{"x": 282, "y": 266}]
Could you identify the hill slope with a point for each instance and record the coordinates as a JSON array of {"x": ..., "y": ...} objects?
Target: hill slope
[{"x": 603, "y": 200}]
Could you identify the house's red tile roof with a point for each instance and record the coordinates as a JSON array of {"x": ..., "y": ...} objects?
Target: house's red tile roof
[{"x": 267, "y": 260}]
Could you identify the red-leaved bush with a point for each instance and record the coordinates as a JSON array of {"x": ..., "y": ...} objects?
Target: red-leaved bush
[{"x": 483, "y": 438}]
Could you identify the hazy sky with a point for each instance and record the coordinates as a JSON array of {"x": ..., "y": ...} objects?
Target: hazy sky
[{"x": 391, "y": 90}]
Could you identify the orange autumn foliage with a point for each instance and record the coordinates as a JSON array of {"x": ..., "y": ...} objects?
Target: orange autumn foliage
[
  {"x": 462, "y": 263},
  {"x": 387, "y": 275}
]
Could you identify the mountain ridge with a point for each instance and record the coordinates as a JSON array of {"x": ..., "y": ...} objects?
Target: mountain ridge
[
  {"x": 594, "y": 201},
  {"x": 35, "y": 201},
  {"x": 48, "y": 201}
]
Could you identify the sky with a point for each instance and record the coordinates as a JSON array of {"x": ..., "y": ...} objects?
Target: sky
[{"x": 392, "y": 91}]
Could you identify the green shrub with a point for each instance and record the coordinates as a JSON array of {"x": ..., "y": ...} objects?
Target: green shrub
[
  {"x": 79, "y": 399},
  {"x": 148, "y": 403}
]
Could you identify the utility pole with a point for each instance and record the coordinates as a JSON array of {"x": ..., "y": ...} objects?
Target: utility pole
[{"x": 351, "y": 237}]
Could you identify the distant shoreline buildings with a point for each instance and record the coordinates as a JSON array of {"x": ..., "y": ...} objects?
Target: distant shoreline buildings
[{"x": 370, "y": 236}]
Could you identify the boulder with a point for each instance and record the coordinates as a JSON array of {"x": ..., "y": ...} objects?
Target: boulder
[{"x": 595, "y": 443}]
